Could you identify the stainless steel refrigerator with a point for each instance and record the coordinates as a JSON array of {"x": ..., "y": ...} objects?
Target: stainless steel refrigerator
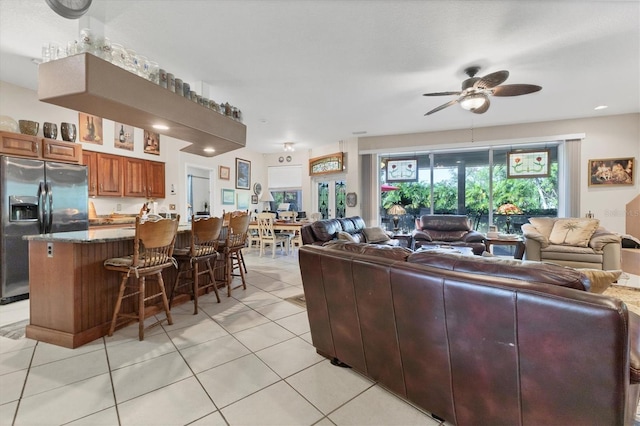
[{"x": 37, "y": 197}]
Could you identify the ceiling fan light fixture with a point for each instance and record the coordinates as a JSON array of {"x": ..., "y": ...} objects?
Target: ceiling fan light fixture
[
  {"x": 474, "y": 101},
  {"x": 288, "y": 147}
]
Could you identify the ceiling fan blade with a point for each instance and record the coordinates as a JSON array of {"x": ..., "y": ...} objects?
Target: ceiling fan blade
[
  {"x": 483, "y": 108},
  {"x": 443, "y": 106},
  {"x": 492, "y": 80},
  {"x": 442, "y": 94},
  {"x": 515, "y": 89}
]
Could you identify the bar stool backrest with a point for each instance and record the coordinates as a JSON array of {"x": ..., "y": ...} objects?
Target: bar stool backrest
[
  {"x": 154, "y": 242},
  {"x": 204, "y": 235}
]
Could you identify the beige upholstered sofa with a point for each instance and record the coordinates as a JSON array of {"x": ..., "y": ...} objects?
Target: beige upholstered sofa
[{"x": 575, "y": 242}]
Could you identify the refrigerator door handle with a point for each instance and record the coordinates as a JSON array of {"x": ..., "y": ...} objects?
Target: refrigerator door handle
[
  {"x": 50, "y": 209},
  {"x": 42, "y": 213}
]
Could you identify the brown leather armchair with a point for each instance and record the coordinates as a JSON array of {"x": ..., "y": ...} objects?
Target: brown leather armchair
[{"x": 446, "y": 229}]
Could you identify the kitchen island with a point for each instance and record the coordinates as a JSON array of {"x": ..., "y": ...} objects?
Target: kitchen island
[{"x": 72, "y": 296}]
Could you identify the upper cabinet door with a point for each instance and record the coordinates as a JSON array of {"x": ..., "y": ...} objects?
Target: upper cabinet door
[
  {"x": 155, "y": 179},
  {"x": 135, "y": 177},
  {"x": 90, "y": 159},
  {"x": 18, "y": 144},
  {"x": 68, "y": 152},
  {"x": 110, "y": 177}
]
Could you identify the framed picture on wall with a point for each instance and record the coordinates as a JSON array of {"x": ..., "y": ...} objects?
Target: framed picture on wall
[
  {"x": 254, "y": 199},
  {"x": 528, "y": 164},
  {"x": 402, "y": 170},
  {"x": 224, "y": 173},
  {"x": 228, "y": 196},
  {"x": 123, "y": 136},
  {"x": 243, "y": 174},
  {"x": 90, "y": 128},
  {"x": 151, "y": 142},
  {"x": 243, "y": 201},
  {"x": 611, "y": 171}
]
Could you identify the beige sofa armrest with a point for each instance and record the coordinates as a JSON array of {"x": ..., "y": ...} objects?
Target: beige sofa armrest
[
  {"x": 602, "y": 237},
  {"x": 530, "y": 232}
]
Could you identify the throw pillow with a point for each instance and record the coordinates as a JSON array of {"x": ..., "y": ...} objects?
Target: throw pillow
[
  {"x": 601, "y": 280},
  {"x": 345, "y": 236},
  {"x": 573, "y": 232},
  {"x": 375, "y": 235},
  {"x": 544, "y": 225}
]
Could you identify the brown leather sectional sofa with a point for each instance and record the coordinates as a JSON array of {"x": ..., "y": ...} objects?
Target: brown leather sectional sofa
[
  {"x": 447, "y": 229},
  {"x": 475, "y": 340},
  {"x": 326, "y": 230}
]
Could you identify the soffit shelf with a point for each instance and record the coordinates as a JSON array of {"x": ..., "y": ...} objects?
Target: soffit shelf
[{"x": 94, "y": 86}]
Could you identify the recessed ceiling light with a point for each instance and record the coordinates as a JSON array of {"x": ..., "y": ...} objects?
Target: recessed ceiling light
[
  {"x": 599, "y": 107},
  {"x": 361, "y": 132},
  {"x": 160, "y": 127},
  {"x": 263, "y": 121},
  {"x": 209, "y": 150}
]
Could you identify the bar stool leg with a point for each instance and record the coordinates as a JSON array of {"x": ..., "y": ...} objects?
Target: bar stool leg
[
  {"x": 116, "y": 310},
  {"x": 196, "y": 275},
  {"x": 165, "y": 302},
  {"x": 213, "y": 279},
  {"x": 141, "y": 290}
]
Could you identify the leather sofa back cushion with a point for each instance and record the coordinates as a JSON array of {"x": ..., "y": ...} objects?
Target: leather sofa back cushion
[
  {"x": 505, "y": 268},
  {"x": 326, "y": 230},
  {"x": 388, "y": 252},
  {"x": 573, "y": 231},
  {"x": 445, "y": 222},
  {"x": 447, "y": 236},
  {"x": 375, "y": 235}
]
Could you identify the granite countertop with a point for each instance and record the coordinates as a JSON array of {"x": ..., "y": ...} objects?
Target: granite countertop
[
  {"x": 93, "y": 236},
  {"x": 112, "y": 220}
]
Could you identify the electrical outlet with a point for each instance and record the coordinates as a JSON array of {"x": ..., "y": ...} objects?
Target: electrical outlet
[
  {"x": 172, "y": 206},
  {"x": 118, "y": 207}
]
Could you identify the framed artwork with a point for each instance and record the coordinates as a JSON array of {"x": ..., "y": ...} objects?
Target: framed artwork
[
  {"x": 151, "y": 142},
  {"x": 254, "y": 199},
  {"x": 528, "y": 164},
  {"x": 243, "y": 174},
  {"x": 243, "y": 201},
  {"x": 611, "y": 171},
  {"x": 332, "y": 163},
  {"x": 123, "y": 136},
  {"x": 228, "y": 196},
  {"x": 402, "y": 170},
  {"x": 90, "y": 128},
  {"x": 224, "y": 172}
]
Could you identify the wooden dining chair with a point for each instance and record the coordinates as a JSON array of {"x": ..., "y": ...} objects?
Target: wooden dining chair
[
  {"x": 288, "y": 215},
  {"x": 152, "y": 252},
  {"x": 269, "y": 237},
  {"x": 203, "y": 249}
]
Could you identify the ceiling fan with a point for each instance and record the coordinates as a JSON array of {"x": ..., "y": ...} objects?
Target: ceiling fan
[{"x": 475, "y": 92}]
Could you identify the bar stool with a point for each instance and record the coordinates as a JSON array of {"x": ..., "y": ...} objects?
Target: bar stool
[
  {"x": 231, "y": 248},
  {"x": 152, "y": 252},
  {"x": 203, "y": 247}
]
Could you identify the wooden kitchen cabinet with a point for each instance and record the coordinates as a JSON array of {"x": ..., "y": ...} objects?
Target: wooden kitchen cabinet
[
  {"x": 68, "y": 152},
  {"x": 143, "y": 178},
  {"x": 90, "y": 159},
  {"x": 155, "y": 179},
  {"x": 19, "y": 145},
  {"x": 135, "y": 177},
  {"x": 109, "y": 175}
]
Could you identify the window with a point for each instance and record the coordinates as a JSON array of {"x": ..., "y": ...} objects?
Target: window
[{"x": 472, "y": 183}]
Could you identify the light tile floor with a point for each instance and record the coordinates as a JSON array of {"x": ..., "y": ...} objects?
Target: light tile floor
[{"x": 245, "y": 361}]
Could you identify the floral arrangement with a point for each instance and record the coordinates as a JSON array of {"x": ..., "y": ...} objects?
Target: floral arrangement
[{"x": 508, "y": 208}]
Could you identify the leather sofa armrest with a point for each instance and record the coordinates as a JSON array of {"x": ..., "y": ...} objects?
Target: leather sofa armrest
[
  {"x": 473, "y": 237},
  {"x": 634, "y": 347},
  {"x": 529, "y": 231},
  {"x": 421, "y": 235},
  {"x": 602, "y": 237}
]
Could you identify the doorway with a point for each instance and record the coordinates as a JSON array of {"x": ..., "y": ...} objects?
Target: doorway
[
  {"x": 330, "y": 198},
  {"x": 198, "y": 191}
]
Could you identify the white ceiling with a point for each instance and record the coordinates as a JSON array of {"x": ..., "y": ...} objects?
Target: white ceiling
[{"x": 315, "y": 72}]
